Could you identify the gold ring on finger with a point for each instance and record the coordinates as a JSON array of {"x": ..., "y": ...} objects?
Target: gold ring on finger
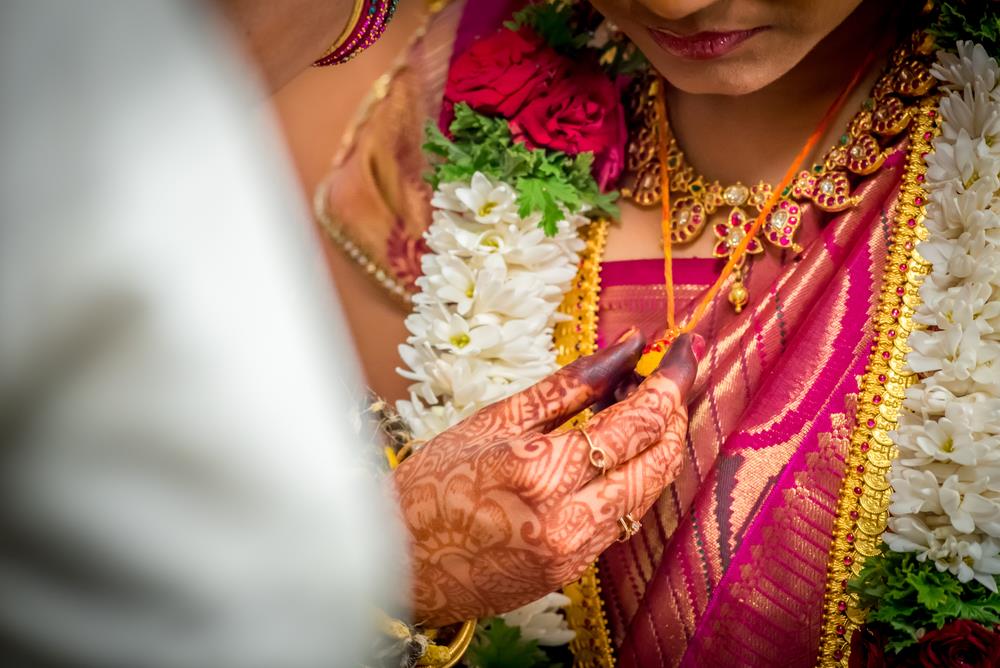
[
  {"x": 629, "y": 527},
  {"x": 598, "y": 457}
]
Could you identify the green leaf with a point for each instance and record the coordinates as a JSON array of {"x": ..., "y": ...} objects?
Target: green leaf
[
  {"x": 555, "y": 22},
  {"x": 546, "y": 182},
  {"x": 976, "y": 20},
  {"x": 497, "y": 645},
  {"x": 934, "y": 591}
]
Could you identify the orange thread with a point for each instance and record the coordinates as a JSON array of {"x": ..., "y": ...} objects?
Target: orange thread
[{"x": 665, "y": 226}]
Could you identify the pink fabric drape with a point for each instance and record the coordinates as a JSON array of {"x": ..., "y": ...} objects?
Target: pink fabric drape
[{"x": 730, "y": 567}]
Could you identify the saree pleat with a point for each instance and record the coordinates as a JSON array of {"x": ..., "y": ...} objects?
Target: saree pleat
[{"x": 730, "y": 566}]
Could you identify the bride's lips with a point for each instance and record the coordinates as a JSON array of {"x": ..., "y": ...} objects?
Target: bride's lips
[{"x": 702, "y": 45}]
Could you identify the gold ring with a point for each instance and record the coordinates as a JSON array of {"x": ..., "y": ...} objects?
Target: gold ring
[
  {"x": 629, "y": 526},
  {"x": 598, "y": 457}
]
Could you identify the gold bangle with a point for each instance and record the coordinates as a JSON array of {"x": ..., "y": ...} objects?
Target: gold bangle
[
  {"x": 441, "y": 656},
  {"x": 348, "y": 29}
]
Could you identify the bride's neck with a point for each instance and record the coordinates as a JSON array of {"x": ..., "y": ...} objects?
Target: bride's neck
[{"x": 753, "y": 137}]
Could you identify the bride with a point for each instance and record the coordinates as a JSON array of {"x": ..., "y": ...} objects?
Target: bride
[{"x": 742, "y": 186}]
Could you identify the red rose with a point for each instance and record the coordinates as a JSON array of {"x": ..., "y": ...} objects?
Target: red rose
[
  {"x": 499, "y": 74},
  {"x": 578, "y": 113},
  {"x": 867, "y": 648},
  {"x": 960, "y": 644}
]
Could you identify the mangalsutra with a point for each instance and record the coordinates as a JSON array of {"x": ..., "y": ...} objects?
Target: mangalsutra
[{"x": 827, "y": 184}]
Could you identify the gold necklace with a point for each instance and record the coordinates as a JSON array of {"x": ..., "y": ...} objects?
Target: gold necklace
[{"x": 860, "y": 151}]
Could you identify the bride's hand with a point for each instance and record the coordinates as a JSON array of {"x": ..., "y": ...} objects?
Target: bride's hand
[{"x": 502, "y": 510}]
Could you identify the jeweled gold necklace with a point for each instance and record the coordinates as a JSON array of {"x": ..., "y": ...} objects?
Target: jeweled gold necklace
[{"x": 861, "y": 150}]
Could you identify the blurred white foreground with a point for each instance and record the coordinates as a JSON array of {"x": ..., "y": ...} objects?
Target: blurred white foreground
[{"x": 179, "y": 481}]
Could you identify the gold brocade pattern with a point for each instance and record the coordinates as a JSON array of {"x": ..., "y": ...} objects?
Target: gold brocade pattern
[
  {"x": 862, "y": 511},
  {"x": 774, "y": 579},
  {"x": 592, "y": 646}
]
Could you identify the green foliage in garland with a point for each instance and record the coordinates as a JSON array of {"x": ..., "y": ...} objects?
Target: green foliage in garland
[
  {"x": 567, "y": 27},
  {"x": 497, "y": 645},
  {"x": 554, "y": 22},
  {"x": 544, "y": 180},
  {"x": 976, "y": 20},
  {"x": 906, "y": 595}
]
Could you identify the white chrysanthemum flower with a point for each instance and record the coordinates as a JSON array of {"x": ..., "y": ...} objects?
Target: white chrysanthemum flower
[
  {"x": 972, "y": 558},
  {"x": 483, "y": 200},
  {"x": 446, "y": 279},
  {"x": 951, "y": 212},
  {"x": 966, "y": 557},
  {"x": 962, "y": 162},
  {"x": 923, "y": 403},
  {"x": 453, "y": 234},
  {"x": 460, "y": 336},
  {"x": 974, "y": 111},
  {"x": 542, "y": 620},
  {"x": 972, "y": 64}
]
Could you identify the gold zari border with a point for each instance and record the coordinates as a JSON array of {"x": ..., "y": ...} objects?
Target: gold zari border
[
  {"x": 592, "y": 646},
  {"x": 862, "y": 511}
]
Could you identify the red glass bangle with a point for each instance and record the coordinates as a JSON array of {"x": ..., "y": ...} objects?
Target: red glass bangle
[{"x": 367, "y": 24}]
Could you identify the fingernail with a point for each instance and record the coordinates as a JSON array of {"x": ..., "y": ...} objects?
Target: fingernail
[
  {"x": 605, "y": 369},
  {"x": 627, "y": 334},
  {"x": 680, "y": 361},
  {"x": 698, "y": 346}
]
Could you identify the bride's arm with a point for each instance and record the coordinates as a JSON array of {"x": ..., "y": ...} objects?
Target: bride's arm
[{"x": 286, "y": 37}]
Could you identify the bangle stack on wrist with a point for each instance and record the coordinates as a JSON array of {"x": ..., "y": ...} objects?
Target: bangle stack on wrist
[{"x": 366, "y": 25}]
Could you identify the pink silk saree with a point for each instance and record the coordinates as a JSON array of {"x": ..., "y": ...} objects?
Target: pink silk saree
[{"x": 730, "y": 566}]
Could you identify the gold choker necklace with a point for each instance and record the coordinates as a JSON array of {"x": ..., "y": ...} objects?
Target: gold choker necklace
[{"x": 861, "y": 150}]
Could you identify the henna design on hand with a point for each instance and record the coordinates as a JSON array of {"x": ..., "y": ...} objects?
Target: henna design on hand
[{"x": 501, "y": 509}]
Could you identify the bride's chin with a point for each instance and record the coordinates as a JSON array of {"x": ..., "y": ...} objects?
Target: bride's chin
[
  {"x": 731, "y": 76},
  {"x": 719, "y": 78}
]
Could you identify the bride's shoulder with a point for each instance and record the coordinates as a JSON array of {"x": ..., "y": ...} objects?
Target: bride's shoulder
[{"x": 371, "y": 197}]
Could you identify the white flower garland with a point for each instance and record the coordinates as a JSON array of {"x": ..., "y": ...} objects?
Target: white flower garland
[
  {"x": 482, "y": 323},
  {"x": 946, "y": 500}
]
